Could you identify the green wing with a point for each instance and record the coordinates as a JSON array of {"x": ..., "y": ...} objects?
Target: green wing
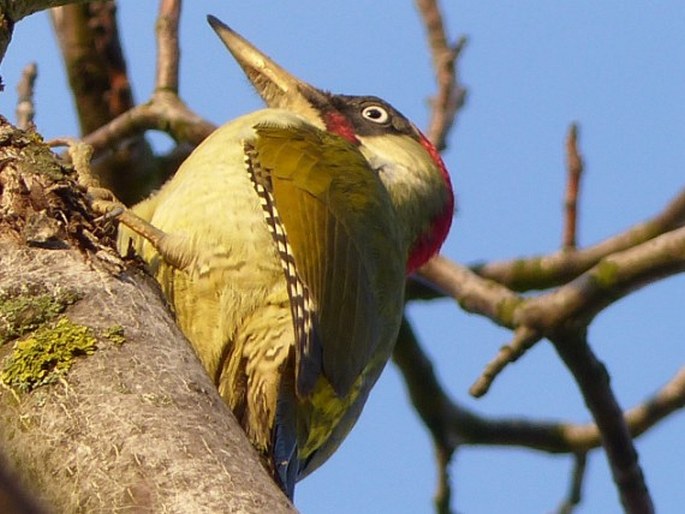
[{"x": 342, "y": 252}]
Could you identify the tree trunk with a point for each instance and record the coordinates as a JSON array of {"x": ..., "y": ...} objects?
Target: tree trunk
[{"x": 103, "y": 404}]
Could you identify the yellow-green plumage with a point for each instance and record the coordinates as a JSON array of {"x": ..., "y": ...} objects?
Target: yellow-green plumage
[{"x": 231, "y": 296}]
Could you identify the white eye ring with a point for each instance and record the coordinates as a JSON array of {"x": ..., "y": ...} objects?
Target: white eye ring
[{"x": 376, "y": 114}]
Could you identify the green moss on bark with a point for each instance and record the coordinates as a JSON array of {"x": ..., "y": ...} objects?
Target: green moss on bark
[{"x": 115, "y": 334}]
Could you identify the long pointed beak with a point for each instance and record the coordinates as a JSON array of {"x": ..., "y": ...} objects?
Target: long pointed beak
[{"x": 278, "y": 87}]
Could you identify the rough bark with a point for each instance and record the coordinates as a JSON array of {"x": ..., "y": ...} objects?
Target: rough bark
[
  {"x": 136, "y": 425},
  {"x": 11, "y": 11}
]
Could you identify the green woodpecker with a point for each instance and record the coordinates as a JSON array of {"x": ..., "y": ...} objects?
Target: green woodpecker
[{"x": 283, "y": 243}]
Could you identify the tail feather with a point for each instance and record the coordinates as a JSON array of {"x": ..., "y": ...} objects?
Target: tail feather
[{"x": 284, "y": 450}]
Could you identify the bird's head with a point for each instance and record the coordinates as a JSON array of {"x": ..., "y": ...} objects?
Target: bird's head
[{"x": 407, "y": 163}]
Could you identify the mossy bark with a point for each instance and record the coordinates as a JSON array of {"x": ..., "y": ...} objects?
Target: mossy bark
[{"x": 136, "y": 425}]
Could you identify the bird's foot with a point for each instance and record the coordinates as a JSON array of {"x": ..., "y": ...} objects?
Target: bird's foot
[{"x": 108, "y": 206}]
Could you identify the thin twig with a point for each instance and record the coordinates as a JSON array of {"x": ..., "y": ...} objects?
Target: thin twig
[
  {"x": 539, "y": 272},
  {"x": 451, "y": 95},
  {"x": 575, "y": 490},
  {"x": 443, "y": 493},
  {"x": 574, "y": 163},
  {"x": 668, "y": 399},
  {"x": 25, "y": 108},
  {"x": 524, "y": 339},
  {"x": 167, "y": 45}
]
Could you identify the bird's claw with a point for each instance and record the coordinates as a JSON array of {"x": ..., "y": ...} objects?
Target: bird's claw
[{"x": 107, "y": 210}]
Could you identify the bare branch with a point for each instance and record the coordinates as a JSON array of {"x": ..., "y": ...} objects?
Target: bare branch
[
  {"x": 474, "y": 293},
  {"x": 89, "y": 40},
  {"x": 165, "y": 112},
  {"x": 574, "y": 171},
  {"x": 451, "y": 424},
  {"x": 611, "y": 279},
  {"x": 547, "y": 271},
  {"x": 168, "y": 52},
  {"x": 593, "y": 381},
  {"x": 451, "y": 95},
  {"x": 25, "y": 107},
  {"x": 524, "y": 339},
  {"x": 576, "y": 302}
]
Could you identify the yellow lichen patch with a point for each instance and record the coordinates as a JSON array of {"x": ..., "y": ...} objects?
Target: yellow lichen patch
[
  {"x": 46, "y": 354},
  {"x": 24, "y": 309}
]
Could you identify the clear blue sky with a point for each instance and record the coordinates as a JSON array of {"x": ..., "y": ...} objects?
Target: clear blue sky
[{"x": 618, "y": 68}]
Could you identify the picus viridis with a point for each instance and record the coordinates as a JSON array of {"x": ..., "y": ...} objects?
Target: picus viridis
[{"x": 285, "y": 239}]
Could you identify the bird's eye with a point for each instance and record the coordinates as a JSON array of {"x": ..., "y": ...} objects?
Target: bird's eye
[{"x": 375, "y": 113}]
